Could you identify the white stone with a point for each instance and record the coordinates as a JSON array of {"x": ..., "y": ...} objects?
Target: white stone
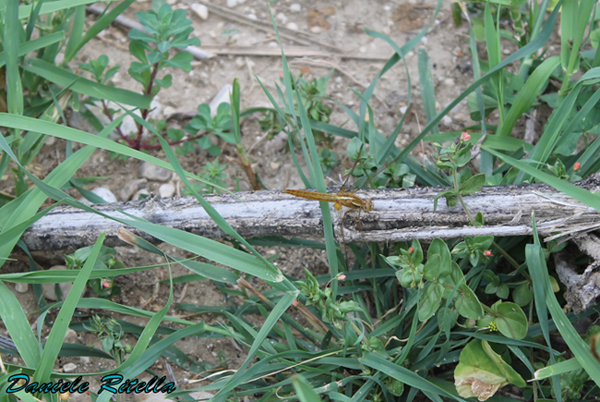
[
  {"x": 403, "y": 109},
  {"x": 130, "y": 188},
  {"x": 281, "y": 17},
  {"x": 138, "y": 195},
  {"x": 201, "y": 10},
  {"x": 446, "y": 120},
  {"x": 295, "y": 7},
  {"x": 316, "y": 29},
  {"x": 166, "y": 190},
  {"x": 233, "y": 3},
  {"x": 292, "y": 26},
  {"x": 50, "y": 140},
  {"x": 153, "y": 172},
  {"x": 169, "y": 110},
  {"x": 252, "y": 17},
  {"x": 201, "y": 395},
  {"x": 449, "y": 82},
  {"x": 221, "y": 97},
  {"x": 69, "y": 367},
  {"x": 424, "y": 39},
  {"x": 275, "y": 165},
  {"x": 70, "y": 336},
  {"x": 21, "y": 287},
  {"x": 49, "y": 289},
  {"x": 105, "y": 194}
]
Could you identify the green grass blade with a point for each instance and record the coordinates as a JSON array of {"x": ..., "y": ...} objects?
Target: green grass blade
[
  {"x": 304, "y": 391},
  {"x": 76, "y": 32},
  {"x": 528, "y": 49},
  {"x": 578, "y": 347},
  {"x": 51, "y": 6},
  {"x": 571, "y": 190},
  {"x": 427, "y": 87},
  {"x": 405, "y": 375},
  {"x": 33, "y": 45},
  {"x": 18, "y": 327},
  {"x": 82, "y": 85},
  {"x": 14, "y": 87},
  {"x": 61, "y": 324},
  {"x": 276, "y": 313},
  {"x": 528, "y": 94},
  {"x": 558, "y": 368},
  {"x": 101, "y": 23}
]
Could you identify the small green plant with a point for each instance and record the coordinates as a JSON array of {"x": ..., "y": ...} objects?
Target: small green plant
[
  {"x": 111, "y": 335},
  {"x": 165, "y": 30},
  {"x": 104, "y": 287},
  {"x": 212, "y": 173}
]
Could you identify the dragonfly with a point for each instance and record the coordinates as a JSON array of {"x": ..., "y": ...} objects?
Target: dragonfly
[{"x": 342, "y": 199}]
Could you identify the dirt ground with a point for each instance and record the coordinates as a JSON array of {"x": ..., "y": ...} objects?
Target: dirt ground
[{"x": 336, "y": 23}]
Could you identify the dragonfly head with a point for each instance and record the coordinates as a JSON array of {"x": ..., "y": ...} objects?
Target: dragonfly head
[{"x": 368, "y": 205}]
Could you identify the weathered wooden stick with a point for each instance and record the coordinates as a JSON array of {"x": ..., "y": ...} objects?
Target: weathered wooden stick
[{"x": 398, "y": 215}]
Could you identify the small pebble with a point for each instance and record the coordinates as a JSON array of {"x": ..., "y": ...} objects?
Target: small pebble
[
  {"x": 275, "y": 165},
  {"x": 201, "y": 10},
  {"x": 49, "y": 290},
  {"x": 50, "y": 140},
  {"x": 295, "y": 7},
  {"x": 153, "y": 172},
  {"x": 292, "y": 26},
  {"x": 446, "y": 120},
  {"x": 169, "y": 110},
  {"x": 71, "y": 336},
  {"x": 449, "y": 82},
  {"x": 233, "y": 3},
  {"x": 84, "y": 360},
  {"x": 403, "y": 109},
  {"x": 69, "y": 367},
  {"x": 21, "y": 287},
  {"x": 166, "y": 190},
  {"x": 281, "y": 17},
  {"x": 105, "y": 194},
  {"x": 139, "y": 195},
  {"x": 221, "y": 97},
  {"x": 316, "y": 29},
  {"x": 252, "y": 17},
  {"x": 201, "y": 395},
  {"x": 130, "y": 188}
]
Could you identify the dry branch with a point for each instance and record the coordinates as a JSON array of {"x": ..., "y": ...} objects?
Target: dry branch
[{"x": 399, "y": 214}]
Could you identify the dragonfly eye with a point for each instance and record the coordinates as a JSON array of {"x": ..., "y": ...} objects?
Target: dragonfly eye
[{"x": 368, "y": 205}]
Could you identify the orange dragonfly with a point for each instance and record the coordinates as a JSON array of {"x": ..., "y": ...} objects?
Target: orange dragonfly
[{"x": 342, "y": 198}]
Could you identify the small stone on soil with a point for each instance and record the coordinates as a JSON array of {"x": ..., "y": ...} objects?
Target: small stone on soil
[
  {"x": 166, "y": 190},
  {"x": 201, "y": 10},
  {"x": 153, "y": 172}
]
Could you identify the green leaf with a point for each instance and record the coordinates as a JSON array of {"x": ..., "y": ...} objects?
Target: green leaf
[
  {"x": 431, "y": 300},
  {"x": 473, "y": 184},
  {"x": 66, "y": 79},
  {"x": 304, "y": 391},
  {"x": 522, "y": 294},
  {"x": 511, "y": 320},
  {"x": 481, "y": 372},
  {"x": 431, "y": 271},
  {"x": 468, "y": 304}
]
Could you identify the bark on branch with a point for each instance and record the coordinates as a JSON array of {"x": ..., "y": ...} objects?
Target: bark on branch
[{"x": 398, "y": 215}]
